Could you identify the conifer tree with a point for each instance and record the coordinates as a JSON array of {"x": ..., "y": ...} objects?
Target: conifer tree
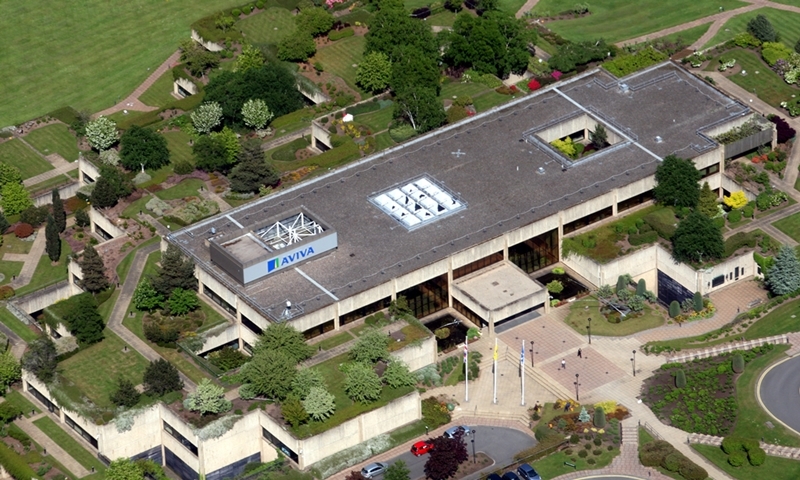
[
  {"x": 94, "y": 271},
  {"x": 707, "y": 205},
  {"x": 176, "y": 271},
  {"x": 784, "y": 276},
  {"x": 53, "y": 242},
  {"x": 59, "y": 214}
]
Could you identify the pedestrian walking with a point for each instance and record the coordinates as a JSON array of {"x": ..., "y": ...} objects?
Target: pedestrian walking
[
  {"x": 737, "y": 309},
  {"x": 563, "y": 364},
  {"x": 580, "y": 354}
]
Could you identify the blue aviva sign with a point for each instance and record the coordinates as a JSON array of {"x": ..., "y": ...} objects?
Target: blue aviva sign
[
  {"x": 280, "y": 262},
  {"x": 289, "y": 257}
]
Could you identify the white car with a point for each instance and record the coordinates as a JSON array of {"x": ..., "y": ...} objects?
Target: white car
[
  {"x": 374, "y": 469},
  {"x": 452, "y": 431}
]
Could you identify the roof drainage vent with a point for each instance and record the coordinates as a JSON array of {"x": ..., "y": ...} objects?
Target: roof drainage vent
[
  {"x": 540, "y": 171},
  {"x": 659, "y": 139},
  {"x": 623, "y": 88}
]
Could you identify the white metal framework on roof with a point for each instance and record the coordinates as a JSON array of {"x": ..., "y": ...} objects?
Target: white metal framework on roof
[
  {"x": 417, "y": 203},
  {"x": 289, "y": 231}
]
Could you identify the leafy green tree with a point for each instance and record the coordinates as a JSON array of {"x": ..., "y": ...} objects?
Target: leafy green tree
[
  {"x": 82, "y": 218},
  {"x": 230, "y": 141},
  {"x": 421, "y": 108},
  {"x": 316, "y": 21},
  {"x": 210, "y": 154},
  {"x": 572, "y": 54},
  {"x": 397, "y": 375},
  {"x": 253, "y": 171},
  {"x": 101, "y": 133},
  {"x": 225, "y": 22},
  {"x": 413, "y": 71},
  {"x": 145, "y": 297},
  {"x": 94, "y": 271},
  {"x": 445, "y": 457},
  {"x": 283, "y": 339},
  {"x": 104, "y": 195},
  {"x": 197, "y": 59},
  {"x": 320, "y": 404},
  {"x": 83, "y": 320},
  {"x": 10, "y": 370},
  {"x": 9, "y": 174},
  {"x": 293, "y": 411},
  {"x": 761, "y": 28},
  {"x": 176, "y": 271},
  {"x": 125, "y": 394},
  {"x": 124, "y": 469},
  {"x": 52, "y": 240},
  {"x": 676, "y": 182},
  {"x": 697, "y": 238},
  {"x": 251, "y": 57},
  {"x": 270, "y": 373},
  {"x": 208, "y": 398},
  {"x": 161, "y": 377},
  {"x": 297, "y": 47},
  {"x": 142, "y": 146},
  {"x": 392, "y": 30},
  {"x": 256, "y": 114},
  {"x": 784, "y": 276},
  {"x": 374, "y": 72},
  {"x": 59, "y": 214},
  {"x": 182, "y": 301},
  {"x": 113, "y": 185},
  {"x": 397, "y": 471},
  {"x": 40, "y": 359},
  {"x": 362, "y": 384},
  {"x": 15, "y": 198},
  {"x": 707, "y": 203},
  {"x": 305, "y": 379},
  {"x": 206, "y": 117},
  {"x": 373, "y": 345},
  {"x": 494, "y": 43}
]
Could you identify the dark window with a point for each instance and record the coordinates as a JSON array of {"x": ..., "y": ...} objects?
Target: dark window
[
  {"x": 102, "y": 233},
  {"x": 717, "y": 281},
  {"x": 709, "y": 170},
  {"x": 251, "y": 326},
  {"x": 535, "y": 253},
  {"x": 588, "y": 220},
  {"x": 177, "y": 436},
  {"x": 218, "y": 300},
  {"x": 477, "y": 265},
  {"x": 52, "y": 407},
  {"x": 178, "y": 466},
  {"x": 83, "y": 433},
  {"x": 427, "y": 297},
  {"x": 280, "y": 445},
  {"x": 634, "y": 201},
  {"x": 669, "y": 290},
  {"x": 319, "y": 329},
  {"x": 469, "y": 314},
  {"x": 364, "y": 311},
  {"x": 234, "y": 469}
]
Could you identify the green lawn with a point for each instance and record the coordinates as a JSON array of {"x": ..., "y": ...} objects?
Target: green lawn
[
  {"x": 16, "y": 153},
  {"x": 766, "y": 84},
  {"x": 578, "y": 314},
  {"x": 54, "y": 139},
  {"x": 689, "y": 36},
  {"x": 69, "y": 444},
  {"x": 789, "y": 225},
  {"x": 787, "y": 24},
  {"x": 16, "y": 326},
  {"x": 553, "y": 465},
  {"x": 125, "y": 265},
  {"x": 491, "y": 99},
  {"x": 50, "y": 183},
  {"x": 133, "y": 209},
  {"x": 287, "y": 152},
  {"x": 268, "y": 27},
  {"x": 88, "y": 54},
  {"x": 510, "y": 7},
  {"x": 12, "y": 244},
  {"x": 46, "y": 273},
  {"x": 457, "y": 89},
  {"x": 291, "y": 122},
  {"x": 442, "y": 19},
  {"x": 377, "y": 120},
  {"x": 383, "y": 141},
  {"x": 413, "y": 4},
  {"x": 9, "y": 269},
  {"x": 179, "y": 148},
  {"x": 616, "y": 20},
  {"x": 98, "y": 383},
  {"x": 333, "y": 341},
  {"x": 14, "y": 397},
  {"x": 339, "y": 58},
  {"x": 187, "y": 188},
  {"x": 775, "y": 468},
  {"x": 160, "y": 93}
]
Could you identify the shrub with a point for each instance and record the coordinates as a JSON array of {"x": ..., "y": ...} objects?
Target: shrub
[
  {"x": 574, "y": 439},
  {"x": 23, "y": 230},
  {"x": 598, "y": 441},
  {"x": 674, "y": 309},
  {"x": 697, "y": 301},
  {"x": 434, "y": 414},
  {"x": 8, "y": 412},
  {"x": 651, "y": 454},
  {"x": 756, "y": 456},
  {"x": 456, "y": 113},
  {"x": 737, "y": 459},
  {"x": 599, "y": 418},
  {"x": 747, "y": 211},
  {"x": 642, "y": 239},
  {"x": 734, "y": 216},
  {"x": 6, "y": 292},
  {"x": 737, "y": 363},
  {"x": 583, "y": 454},
  {"x": 641, "y": 287},
  {"x": 626, "y": 64},
  {"x": 672, "y": 462},
  {"x": 555, "y": 287},
  {"x": 661, "y": 223},
  {"x": 680, "y": 379},
  {"x": 591, "y": 461},
  {"x": 183, "y": 167}
]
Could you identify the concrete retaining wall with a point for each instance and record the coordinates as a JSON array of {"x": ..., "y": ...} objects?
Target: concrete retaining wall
[
  {"x": 99, "y": 220},
  {"x": 419, "y": 356},
  {"x": 64, "y": 191},
  {"x": 33, "y": 302}
]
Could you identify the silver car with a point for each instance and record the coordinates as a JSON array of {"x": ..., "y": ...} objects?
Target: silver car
[
  {"x": 374, "y": 469},
  {"x": 452, "y": 431}
]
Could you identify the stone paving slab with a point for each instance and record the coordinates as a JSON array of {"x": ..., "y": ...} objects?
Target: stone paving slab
[{"x": 594, "y": 370}]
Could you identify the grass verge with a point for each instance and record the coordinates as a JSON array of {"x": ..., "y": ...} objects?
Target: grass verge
[
  {"x": 46, "y": 273},
  {"x": 17, "y": 154},
  {"x": 785, "y": 23},
  {"x": 578, "y": 314},
  {"x": 775, "y": 468},
  {"x": 54, "y": 138},
  {"x": 69, "y": 444},
  {"x": 16, "y": 398},
  {"x": 789, "y": 225},
  {"x": 15, "y": 325}
]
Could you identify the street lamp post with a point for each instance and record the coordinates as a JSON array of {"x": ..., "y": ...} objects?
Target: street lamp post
[
  {"x": 533, "y": 362},
  {"x": 589, "y": 330},
  {"x": 577, "y": 392},
  {"x": 473, "y": 447},
  {"x": 633, "y": 361}
]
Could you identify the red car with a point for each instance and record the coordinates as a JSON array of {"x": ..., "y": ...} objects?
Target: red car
[{"x": 421, "y": 448}]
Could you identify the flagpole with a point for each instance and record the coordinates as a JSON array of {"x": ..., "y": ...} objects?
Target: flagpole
[
  {"x": 522, "y": 371},
  {"x": 494, "y": 370},
  {"x": 466, "y": 370}
]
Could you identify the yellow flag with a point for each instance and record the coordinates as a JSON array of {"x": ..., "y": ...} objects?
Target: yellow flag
[{"x": 495, "y": 350}]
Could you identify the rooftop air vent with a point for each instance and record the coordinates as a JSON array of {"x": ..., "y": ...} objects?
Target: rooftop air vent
[
  {"x": 623, "y": 88},
  {"x": 659, "y": 139},
  {"x": 540, "y": 170}
]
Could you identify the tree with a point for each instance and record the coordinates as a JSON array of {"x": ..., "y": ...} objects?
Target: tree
[
  {"x": 206, "y": 117},
  {"x": 316, "y": 21},
  {"x": 676, "y": 182},
  {"x": 293, "y": 411},
  {"x": 10, "y": 370},
  {"x": 9, "y": 174},
  {"x": 145, "y": 297},
  {"x": 707, "y": 204},
  {"x": 784, "y": 276},
  {"x": 283, "y": 339},
  {"x": 104, "y": 195},
  {"x": 208, "y": 398},
  {"x": 397, "y": 375},
  {"x": 372, "y": 346},
  {"x": 125, "y": 394},
  {"x": 40, "y": 359},
  {"x": 392, "y": 29},
  {"x": 176, "y": 271},
  {"x": 256, "y": 114},
  {"x": 599, "y": 136},
  {"x": 270, "y": 373},
  {"x": 197, "y": 59},
  {"x": 3, "y": 223},
  {"x": 53, "y": 241},
  {"x": 761, "y": 28},
  {"x": 420, "y": 108},
  {"x": 82, "y": 218},
  {"x": 599, "y": 417},
  {"x": 397, "y": 471},
  {"x": 161, "y": 377},
  {"x": 697, "y": 302},
  {"x": 493, "y": 43},
  {"x": 230, "y": 141},
  {"x": 15, "y": 198},
  {"x": 83, "y": 320},
  {"x": 113, "y": 185},
  {"x": 305, "y": 379},
  {"x": 59, "y": 214},
  {"x": 374, "y": 72},
  {"x": 253, "y": 171},
  {"x": 251, "y": 57},
  {"x": 182, "y": 301},
  {"x": 224, "y": 22},
  {"x": 297, "y": 47},
  {"x": 445, "y": 457},
  {"x": 320, "y": 404},
  {"x": 101, "y": 133},
  {"x": 210, "y": 154},
  {"x": 362, "y": 384},
  {"x": 142, "y": 146},
  {"x": 94, "y": 271},
  {"x": 736, "y": 200},
  {"x": 697, "y": 238},
  {"x": 412, "y": 71},
  {"x": 124, "y": 469}
]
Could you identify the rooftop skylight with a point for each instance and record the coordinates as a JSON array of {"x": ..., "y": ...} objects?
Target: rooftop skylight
[{"x": 417, "y": 203}]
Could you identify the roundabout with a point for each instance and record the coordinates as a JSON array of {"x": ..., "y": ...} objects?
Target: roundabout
[{"x": 779, "y": 392}]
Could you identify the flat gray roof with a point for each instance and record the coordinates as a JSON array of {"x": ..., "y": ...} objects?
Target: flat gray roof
[
  {"x": 486, "y": 163},
  {"x": 497, "y": 286}
]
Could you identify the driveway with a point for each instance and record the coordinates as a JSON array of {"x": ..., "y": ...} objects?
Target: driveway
[{"x": 779, "y": 391}]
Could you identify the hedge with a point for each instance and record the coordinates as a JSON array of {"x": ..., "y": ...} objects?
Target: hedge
[
  {"x": 641, "y": 239},
  {"x": 627, "y": 64},
  {"x": 739, "y": 240},
  {"x": 365, "y": 107},
  {"x": 340, "y": 34},
  {"x": 14, "y": 464},
  {"x": 663, "y": 226},
  {"x": 337, "y": 156}
]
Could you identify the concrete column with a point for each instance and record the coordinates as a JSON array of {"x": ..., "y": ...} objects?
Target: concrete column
[
  {"x": 560, "y": 232},
  {"x": 336, "y": 324},
  {"x": 614, "y": 209},
  {"x": 450, "y": 283}
]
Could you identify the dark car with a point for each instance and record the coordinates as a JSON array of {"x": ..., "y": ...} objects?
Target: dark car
[
  {"x": 421, "y": 448},
  {"x": 510, "y": 476},
  {"x": 527, "y": 472},
  {"x": 494, "y": 476}
]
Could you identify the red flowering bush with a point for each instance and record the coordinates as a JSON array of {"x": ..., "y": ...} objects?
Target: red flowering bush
[
  {"x": 534, "y": 85},
  {"x": 760, "y": 158},
  {"x": 23, "y": 230},
  {"x": 556, "y": 74}
]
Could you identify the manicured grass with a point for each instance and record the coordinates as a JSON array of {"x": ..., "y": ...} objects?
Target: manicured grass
[
  {"x": 98, "y": 383},
  {"x": 688, "y": 36},
  {"x": 383, "y": 141},
  {"x": 378, "y": 120},
  {"x": 457, "y": 89},
  {"x": 17, "y": 154},
  {"x": 46, "y": 273},
  {"x": 14, "y": 397},
  {"x": 442, "y": 19},
  {"x": 413, "y": 4},
  {"x": 766, "y": 84},
  {"x": 490, "y": 99},
  {"x": 287, "y": 152},
  {"x": 291, "y": 122},
  {"x": 16, "y": 326},
  {"x": 553, "y": 465},
  {"x": 12, "y": 244},
  {"x": 160, "y": 93},
  {"x": 578, "y": 314},
  {"x": 333, "y": 341},
  {"x": 789, "y": 225},
  {"x": 179, "y": 148},
  {"x": 125, "y": 265},
  {"x": 774, "y": 468},
  {"x": 268, "y": 27},
  {"x": 133, "y": 209},
  {"x": 9, "y": 269},
  {"x": 786, "y": 24},
  {"x": 616, "y": 20},
  {"x": 106, "y": 307},
  {"x": 69, "y": 444},
  {"x": 54, "y": 139},
  {"x": 187, "y": 188},
  {"x": 50, "y": 183},
  {"x": 111, "y": 51},
  {"x": 510, "y": 7},
  {"x": 339, "y": 58}
]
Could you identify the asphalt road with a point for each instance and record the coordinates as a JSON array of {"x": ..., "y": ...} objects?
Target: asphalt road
[
  {"x": 499, "y": 443},
  {"x": 780, "y": 392}
]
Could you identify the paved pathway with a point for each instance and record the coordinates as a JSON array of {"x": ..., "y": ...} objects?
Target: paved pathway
[
  {"x": 285, "y": 139},
  {"x": 38, "y": 436},
  {"x": 525, "y": 8},
  {"x": 213, "y": 196},
  {"x": 59, "y": 170}
]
